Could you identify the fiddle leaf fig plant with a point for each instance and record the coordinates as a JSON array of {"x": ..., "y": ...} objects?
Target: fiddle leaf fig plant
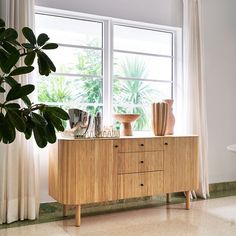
[{"x": 40, "y": 119}]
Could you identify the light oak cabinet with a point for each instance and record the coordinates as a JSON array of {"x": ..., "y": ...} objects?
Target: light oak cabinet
[{"x": 96, "y": 170}]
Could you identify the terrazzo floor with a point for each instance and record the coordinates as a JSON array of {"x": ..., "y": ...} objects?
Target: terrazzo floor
[{"x": 207, "y": 217}]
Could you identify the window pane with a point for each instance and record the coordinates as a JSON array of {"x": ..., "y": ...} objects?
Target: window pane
[
  {"x": 136, "y": 92},
  {"x": 69, "y": 31},
  {"x": 70, "y": 90},
  {"x": 142, "y": 40},
  {"x": 77, "y": 60},
  {"x": 145, "y": 67}
]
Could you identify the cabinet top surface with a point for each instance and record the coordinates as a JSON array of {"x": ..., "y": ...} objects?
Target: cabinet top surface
[{"x": 60, "y": 137}]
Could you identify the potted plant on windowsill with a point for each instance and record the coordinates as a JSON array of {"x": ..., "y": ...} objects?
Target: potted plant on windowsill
[{"x": 40, "y": 119}]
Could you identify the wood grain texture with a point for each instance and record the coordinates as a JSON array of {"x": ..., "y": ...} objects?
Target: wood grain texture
[
  {"x": 132, "y": 162},
  {"x": 87, "y": 172},
  {"x": 140, "y": 184},
  {"x": 140, "y": 144},
  {"x": 53, "y": 171},
  {"x": 180, "y": 164}
]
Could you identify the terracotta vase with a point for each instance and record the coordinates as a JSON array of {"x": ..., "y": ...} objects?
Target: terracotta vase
[
  {"x": 159, "y": 118},
  {"x": 170, "y": 117}
]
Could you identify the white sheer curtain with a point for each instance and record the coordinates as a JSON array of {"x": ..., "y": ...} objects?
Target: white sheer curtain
[
  {"x": 194, "y": 94},
  {"x": 19, "y": 198}
]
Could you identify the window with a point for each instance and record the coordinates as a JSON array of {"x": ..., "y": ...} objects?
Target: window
[{"x": 107, "y": 65}]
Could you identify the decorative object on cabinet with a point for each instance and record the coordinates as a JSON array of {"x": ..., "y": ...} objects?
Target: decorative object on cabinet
[
  {"x": 159, "y": 118},
  {"x": 98, "y": 170},
  {"x": 170, "y": 117},
  {"x": 79, "y": 122},
  {"x": 126, "y": 120}
]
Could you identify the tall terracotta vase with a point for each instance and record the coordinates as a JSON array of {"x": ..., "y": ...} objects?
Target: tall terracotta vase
[
  {"x": 170, "y": 117},
  {"x": 159, "y": 118}
]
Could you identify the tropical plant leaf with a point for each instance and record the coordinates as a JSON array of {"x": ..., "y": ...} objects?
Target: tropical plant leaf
[
  {"x": 50, "y": 133},
  {"x": 2, "y": 23},
  {"x": 18, "y": 92},
  {"x": 28, "y": 45},
  {"x": 11, "y": 81},
  {"x": 16, "y": 120},
  {"x": 22, "y": 70},
  {"x": 10, "y": 34},
  {"x": 43, "y": 66},
  {"x": 29, "y": 35},
  {"x": 7, "y": 130},
  {"x": 38, "y": 119},
  {"x": 10, "y": 62},
  {"x": 57, "y": 123},
  {"x": 13, "y": 106},
  {"x": 40, "y": 136},
  {"x": 29, "y": 59},
  {"x": 49, "y": 62},
  {"x": 26, "y": 100},
  {"x": 42, "y": 39},
  {"x": 50, "y": 46},
  {"x": 58, "y": 112},
  {"x": 10, "y": 49}
]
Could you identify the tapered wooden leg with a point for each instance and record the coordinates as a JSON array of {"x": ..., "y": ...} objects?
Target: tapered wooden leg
[
  {"x": 168, "y": 197},
  {"x": 187, "y": 200},
  {"x": 77, "y": 215},
  {"x": 65, "y": 208}
]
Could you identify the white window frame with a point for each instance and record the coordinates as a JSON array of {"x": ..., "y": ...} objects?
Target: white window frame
[{"x": 107, "y": 47}]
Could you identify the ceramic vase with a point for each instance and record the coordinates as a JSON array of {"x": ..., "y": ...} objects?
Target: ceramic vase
[
  {"x": 159, "y": 118},
  {"x": 170, "y": 117}
]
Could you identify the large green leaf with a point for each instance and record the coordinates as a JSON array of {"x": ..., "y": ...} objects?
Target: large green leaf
[
  {"x": 10, "y": 34},
  {"x": 10, "y": 49},
  {"x": 27, "y": 101},
  {"x": 43, "y": 66},
  {"x": 10, "y": 62},
  {"x": 57, "y": 123},
  {"x": 18, "y": 92},
  {"x": 29, "y": 35},
  {"x": 2, "y": 23},
  {"x": 22, "y": 70},
  {"x": 28, "y": 45},
  {"x": 38, "y": 119},
  {"x": 12, "y": 106},
  {"x": 50, "y": 46},
  {"x": 50, "y": 133},
  {"x": 11, "y": 81},
  {"x": 29, "y": 59},
  {"x": 49, "y": 62},
  {"x": 16, "y": 120},
  {"x": 7, "y": 130},
  {"x": 58, "y": 112},
  {"x": 39, "y": 136},
  {"x": 42, "y": 39}
]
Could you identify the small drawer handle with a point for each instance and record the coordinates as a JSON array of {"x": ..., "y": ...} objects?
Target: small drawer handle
[
  {"x": 166, "y": 143},
  {"x": 141, "y": 184},
  {"x": 116, "y": 146},
  {"x": 142, "y": 162},
  {"x": 142, "y": 145}
]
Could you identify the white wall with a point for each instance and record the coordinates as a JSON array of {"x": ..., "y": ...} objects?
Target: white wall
[
  {"x": 219, "y": 18},
  {"x": 166, "y": 12}
]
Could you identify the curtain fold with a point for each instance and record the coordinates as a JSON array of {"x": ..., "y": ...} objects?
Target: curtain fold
[
  {"x": 19, "y": 195},
  {"x": 194, "y": 92}
]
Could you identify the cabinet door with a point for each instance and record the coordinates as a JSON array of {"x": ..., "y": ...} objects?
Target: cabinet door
[
  {"x": 180, "y": 164},
  {"x": 87, "y": 172}
]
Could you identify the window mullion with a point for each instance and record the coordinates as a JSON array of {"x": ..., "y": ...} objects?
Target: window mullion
[{"x": 107, "y": 71}]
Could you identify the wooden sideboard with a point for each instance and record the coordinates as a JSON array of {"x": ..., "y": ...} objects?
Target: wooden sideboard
[{"x": 96, "y": 170}]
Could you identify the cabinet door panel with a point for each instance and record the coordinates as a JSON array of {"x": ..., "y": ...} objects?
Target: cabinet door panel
[{"x": 180, "y": 164}]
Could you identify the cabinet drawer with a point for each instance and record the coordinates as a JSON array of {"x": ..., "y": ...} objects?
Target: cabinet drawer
[
  {"x": 132, "y": 162},
  {"x": 139, "y": 145},
  {"x": 140, "y": 184}
]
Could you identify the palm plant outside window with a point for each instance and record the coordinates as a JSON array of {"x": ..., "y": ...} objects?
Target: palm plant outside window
[{"x": 107, "y": 66}]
